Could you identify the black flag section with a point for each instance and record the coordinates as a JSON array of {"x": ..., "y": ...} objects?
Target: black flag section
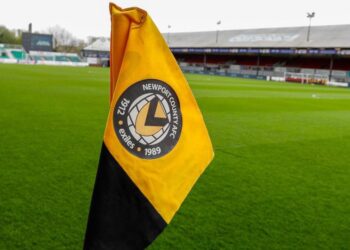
[{"x": 120, "y": 215}]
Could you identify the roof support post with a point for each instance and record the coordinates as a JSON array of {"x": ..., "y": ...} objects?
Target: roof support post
[
  {"x": 331, "y": 67},
  {"x": 257, "y": 65}
]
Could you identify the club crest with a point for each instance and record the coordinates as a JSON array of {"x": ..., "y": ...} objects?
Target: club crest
[{"x": 147, "y": 119}]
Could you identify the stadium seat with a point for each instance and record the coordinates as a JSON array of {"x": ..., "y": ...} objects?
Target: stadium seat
[
  {"x": 18, "y": 54},
  {"x": 74, "y": 58},
  {"x": 48, "y": 58},
  {"x": 61, "y": 58},
  {"x": 37, "y": 58}
]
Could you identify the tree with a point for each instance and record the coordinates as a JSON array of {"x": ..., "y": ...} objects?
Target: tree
[
  {"x": 7, "y": 36},
  {"x": 64, "y": 41}
]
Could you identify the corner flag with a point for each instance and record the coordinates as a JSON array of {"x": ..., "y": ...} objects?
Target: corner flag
[{"x": 155, "y": 145}]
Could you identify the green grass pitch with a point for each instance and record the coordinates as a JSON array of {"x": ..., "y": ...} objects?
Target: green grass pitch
[{"x": 280, "y": 178}]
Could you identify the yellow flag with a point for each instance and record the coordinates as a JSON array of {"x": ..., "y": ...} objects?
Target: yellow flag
[{"x": 156, "y": 144}]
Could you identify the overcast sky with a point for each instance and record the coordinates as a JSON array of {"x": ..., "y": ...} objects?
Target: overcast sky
[{"x": 91, "y": 17}]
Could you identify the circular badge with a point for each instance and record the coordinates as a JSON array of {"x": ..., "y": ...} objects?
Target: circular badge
[{"x": 147, "y": 119}]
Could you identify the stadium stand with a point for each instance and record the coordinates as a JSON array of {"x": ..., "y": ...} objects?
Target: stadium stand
[
  {"x": 266, "y": 53},
  {"x": 16, "y": 54},
  {"x": 37, "y": 49},
  {"x": 274, "y": 54},
  {"x": 12, "y": 54},
  {"x": 56, "y": 58}
]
